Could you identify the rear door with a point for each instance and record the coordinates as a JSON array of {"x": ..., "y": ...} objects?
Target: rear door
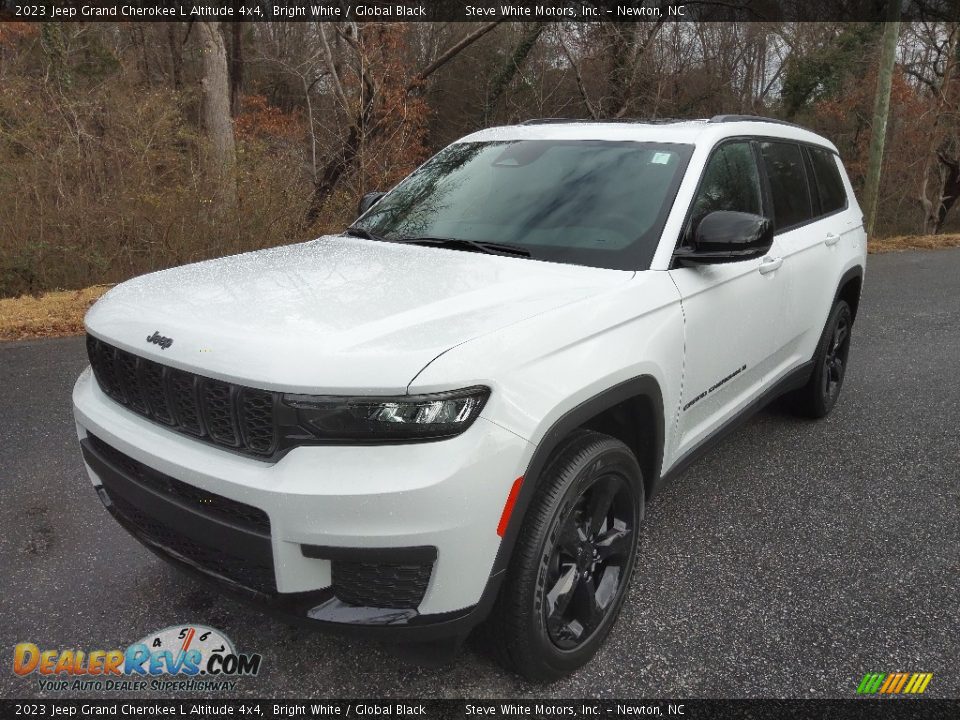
[
  {"x": 732, "y": 311},
  {"x": 809, "y": 203}
]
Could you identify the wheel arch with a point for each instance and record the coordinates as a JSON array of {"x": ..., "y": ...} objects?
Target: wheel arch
[
  {"x": 631, "y": 411},
  {"x": 849, "y": 288}
]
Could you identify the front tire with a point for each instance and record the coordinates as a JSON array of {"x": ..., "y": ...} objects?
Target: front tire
[
  {"x": 573, "y": 561},
  {"x": 818, "y": 397}
]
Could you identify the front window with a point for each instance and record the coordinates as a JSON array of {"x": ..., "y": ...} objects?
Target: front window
[
  {"x": 730, "y": 181},
  {"x": 587, "y": 202}
]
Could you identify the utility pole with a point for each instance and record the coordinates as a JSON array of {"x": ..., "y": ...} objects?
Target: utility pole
[{"x": 881, "y": 111}]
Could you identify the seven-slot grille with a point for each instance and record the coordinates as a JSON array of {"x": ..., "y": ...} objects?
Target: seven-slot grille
[{"x": 218, "y": 412}]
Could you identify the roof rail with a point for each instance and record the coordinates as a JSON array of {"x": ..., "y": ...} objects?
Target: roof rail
[
  {"x": 751, "y": 118},
  {"x": 549, "y": 121},
  {"x": 648, "y": 121}
]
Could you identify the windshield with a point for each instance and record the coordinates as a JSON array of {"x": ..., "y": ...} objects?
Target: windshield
[{"x": 586, "y": 202}]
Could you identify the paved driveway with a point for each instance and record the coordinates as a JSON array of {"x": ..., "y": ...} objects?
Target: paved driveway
[{"x": 789, "y": 562}]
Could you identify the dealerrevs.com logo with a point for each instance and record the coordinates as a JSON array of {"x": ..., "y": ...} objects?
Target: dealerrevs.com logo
[{"x": 177, "y": 658}]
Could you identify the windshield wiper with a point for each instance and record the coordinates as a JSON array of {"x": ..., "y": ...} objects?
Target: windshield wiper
[
  {"x": 354, "y": 231},
  {"x": 490, "y": 248}
]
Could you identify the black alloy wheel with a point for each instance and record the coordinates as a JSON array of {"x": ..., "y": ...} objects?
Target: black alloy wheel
[
  {"x": 593, "y": 547},
  {"x": 573, "y": 558},
  {"x": 835, "y": 359},
  {"x": 817, "y": 398}
]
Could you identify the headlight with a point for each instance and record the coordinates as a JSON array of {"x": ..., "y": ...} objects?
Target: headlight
[{"x": 409, "y": 417}]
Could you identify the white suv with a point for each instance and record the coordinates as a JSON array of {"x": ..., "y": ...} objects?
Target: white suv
[{"x": 457, "y": 410}]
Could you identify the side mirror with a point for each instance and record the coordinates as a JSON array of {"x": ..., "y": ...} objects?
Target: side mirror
[
  {"x": 368, "y": 201},
  {"x": 728, "y": 236}
]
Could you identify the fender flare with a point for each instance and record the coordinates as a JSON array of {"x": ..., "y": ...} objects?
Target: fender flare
[
  {"x": 855, "y": 272},
  {"x": 644, "y": 386}
]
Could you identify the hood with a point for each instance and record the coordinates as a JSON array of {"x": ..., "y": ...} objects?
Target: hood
[{"x": 333, "y": 315}]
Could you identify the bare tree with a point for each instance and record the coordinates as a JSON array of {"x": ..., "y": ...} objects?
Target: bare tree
[
  {"x": 937, "y": 71},
  {"x": 509, "y": 69},
  {"x": 364, "y": 121}
]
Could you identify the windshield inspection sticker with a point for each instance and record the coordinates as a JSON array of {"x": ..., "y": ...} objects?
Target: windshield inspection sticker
[{"x": 660, "y": 158}]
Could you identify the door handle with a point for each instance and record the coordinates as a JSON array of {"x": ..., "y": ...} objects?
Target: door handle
[
  {"x": 769, "y": 264},
  {"x": 831, "y": 239}
]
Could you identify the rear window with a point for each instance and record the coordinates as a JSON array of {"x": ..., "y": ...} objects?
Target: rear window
[
  {"x": 788, "y": 183},
  {"x": 833, "y": 196}
]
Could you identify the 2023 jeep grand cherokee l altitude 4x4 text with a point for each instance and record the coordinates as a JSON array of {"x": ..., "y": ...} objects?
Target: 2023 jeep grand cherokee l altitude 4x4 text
[{"x": 457, "y": 409}]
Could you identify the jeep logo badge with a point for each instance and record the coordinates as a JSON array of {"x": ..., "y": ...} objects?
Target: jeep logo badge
[{"x": 158, "y": 339}]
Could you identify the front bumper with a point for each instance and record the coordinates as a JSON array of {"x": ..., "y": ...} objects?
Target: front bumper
[{"x": 326, "y": 509}]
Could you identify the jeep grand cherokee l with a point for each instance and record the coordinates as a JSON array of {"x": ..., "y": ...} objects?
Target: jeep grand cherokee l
[{"x": 456, "y": 410}]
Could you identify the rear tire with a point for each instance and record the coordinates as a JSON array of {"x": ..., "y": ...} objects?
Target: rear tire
[
  {"x": 817, "y": 398},
  {"x": 573, "y": 560}
]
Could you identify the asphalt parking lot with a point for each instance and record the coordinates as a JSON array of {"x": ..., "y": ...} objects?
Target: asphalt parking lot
[{"x": 789, "y": 562}]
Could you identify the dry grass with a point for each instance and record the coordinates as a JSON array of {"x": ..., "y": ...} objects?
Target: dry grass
[
  {"x": 914, "y": 242},
  {"x": 51, "y": 314}
]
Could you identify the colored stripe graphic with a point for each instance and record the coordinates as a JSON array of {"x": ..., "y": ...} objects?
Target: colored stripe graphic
[
  {"x": 889, "y": 682},
  {"x": 871, "y": 683},
  {"x": 901, "y": 682},
  {"x": 894, "y": 683}
]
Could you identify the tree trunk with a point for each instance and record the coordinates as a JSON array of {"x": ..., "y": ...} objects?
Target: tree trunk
[
  {"x": 176, "y": 58},
  {"x": 881, "y": 111},
  {"x": 620, "y": 40},
  {"x": 626, "y": 48},
  {"x": 332, "y": 172},
  {"x": 508, "y": 71},
  {"x": 949, "y": 192},
  {"x": 236, "y": 67},
  {"x": 54, "y": 48},
  {"x": 363, "y": 129},
  {"x": 219, "y": 153}
]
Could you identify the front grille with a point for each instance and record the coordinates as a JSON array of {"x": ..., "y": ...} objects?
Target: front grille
[
  {"x": 381, "y": 585},
  {"x": 217, "y": 412},
  {"x": 243, "y": 571},
  {"x": 155, "y": 392},
  {"x": 222, "y": 508}
]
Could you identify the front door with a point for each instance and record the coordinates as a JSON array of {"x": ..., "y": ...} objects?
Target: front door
[{"x": 732, "y": 311}]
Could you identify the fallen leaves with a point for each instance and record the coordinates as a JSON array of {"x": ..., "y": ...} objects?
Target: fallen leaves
[
  {"x": 914, "y": 242},
  {"x": 51, "y": 314}
]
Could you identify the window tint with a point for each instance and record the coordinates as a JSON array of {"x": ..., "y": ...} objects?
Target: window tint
[
  {"x": 788, "y": 183},
  {"x": 730, "y": 181},
  {"x": 833, "y": 195}
]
